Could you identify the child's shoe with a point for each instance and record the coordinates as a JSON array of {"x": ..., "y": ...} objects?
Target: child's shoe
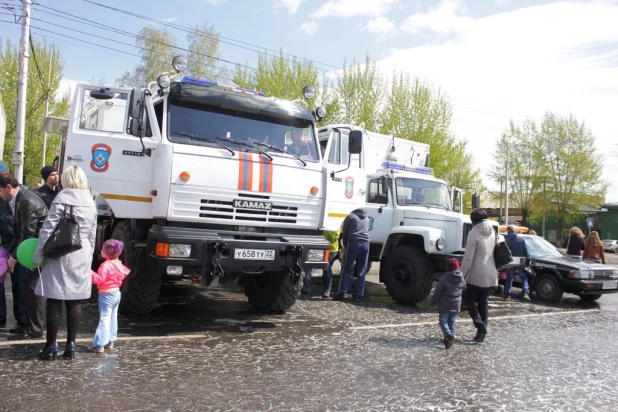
[
  {"x": 110, "y": 345},
  {"x": 95, "y": 349},
  {"x": 448, "y": 341}
]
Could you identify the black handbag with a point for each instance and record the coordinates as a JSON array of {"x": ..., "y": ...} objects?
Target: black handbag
[
  {"x": 65, "y": 237},
  {"x": 502, "y": 254}
]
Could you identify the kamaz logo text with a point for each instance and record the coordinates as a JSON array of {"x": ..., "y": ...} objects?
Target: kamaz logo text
[{"x": 251, "y": 204}]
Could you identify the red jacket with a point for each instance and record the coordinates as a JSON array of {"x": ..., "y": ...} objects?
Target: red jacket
[{"x": 110, "y": 274}]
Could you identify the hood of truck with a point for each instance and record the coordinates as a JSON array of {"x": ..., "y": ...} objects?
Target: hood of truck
[
  {"x": 455, "y": 226},
  {"x": 244, "y": 188}
]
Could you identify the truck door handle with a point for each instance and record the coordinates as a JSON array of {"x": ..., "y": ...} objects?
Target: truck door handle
[
  {"x": 380, "y": 209},
  {"x": 361, "y": 192},
  {"x": 75, "y": 158}
]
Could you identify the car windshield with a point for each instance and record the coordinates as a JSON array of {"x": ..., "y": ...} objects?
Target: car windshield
[
  {"x": 412, "y": 191},
  {"x": 539, "y": 247},
  {"x": 273, "y": 134}
]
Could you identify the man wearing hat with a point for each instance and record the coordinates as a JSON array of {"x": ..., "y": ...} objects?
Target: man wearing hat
[
  {"x": 50, "y": 189},
  {"x": 18, "y": 277}
]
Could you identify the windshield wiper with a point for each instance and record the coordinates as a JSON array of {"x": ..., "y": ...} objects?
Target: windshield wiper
[
  {"x": 205, "y": 139},
  {"x": 278, "y": 149},
  {"x": 438, "y": 205},
  {"x": 239, "y": 143}
]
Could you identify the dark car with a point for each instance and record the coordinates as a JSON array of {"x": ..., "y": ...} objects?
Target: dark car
[{"x": 554, "y": 273}]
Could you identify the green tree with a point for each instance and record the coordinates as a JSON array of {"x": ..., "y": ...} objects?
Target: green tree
[
  {"x": 360, "y": 90},
  {"x": 515, "y": 149},
  {"x": 204, "y": 52},
  {"x": 156, "y": 46},
  {"x": 278, "y": 76},
  {"x": 416, "y": 111},
  {"x": 35, "y": 103},
  {"x": 566, "y": 155}
]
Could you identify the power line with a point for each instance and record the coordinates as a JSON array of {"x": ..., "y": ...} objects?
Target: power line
[
  {"x": 36, "y": 64},
  {"x": 226, "y": 40},
  {"x": 126, "y": 33}
]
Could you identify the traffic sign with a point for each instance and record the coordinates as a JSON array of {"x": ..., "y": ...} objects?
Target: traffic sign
[{"x": 590, "y": 222}]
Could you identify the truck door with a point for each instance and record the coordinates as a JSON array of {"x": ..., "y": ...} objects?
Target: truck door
[
  {"x": 380, "y": 212},
  {"x": 345, "y": 178},
  {"x": 457, "y": 200},
  {"x": 117, "y": 165}
]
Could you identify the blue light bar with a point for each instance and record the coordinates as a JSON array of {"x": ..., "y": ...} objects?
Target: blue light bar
[
  {"x": 192, "y": 80},
  {"x": 400, "y": 166}
]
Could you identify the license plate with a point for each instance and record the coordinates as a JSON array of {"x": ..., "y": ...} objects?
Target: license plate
[
  {"x": 254, "y": 254},
  {"x": 610, "y": 285}
]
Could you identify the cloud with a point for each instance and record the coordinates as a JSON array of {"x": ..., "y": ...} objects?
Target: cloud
[
  {"x": 290, "y": 5},
  {"x": 351, "y": 8},
  {"x": 442, "y": 19},
  {"x": 309, "y": 27},
  {"x": 215, "y": 1},
  {"x": 558, "y": 57},
  {"x": 381, "y": 27}
]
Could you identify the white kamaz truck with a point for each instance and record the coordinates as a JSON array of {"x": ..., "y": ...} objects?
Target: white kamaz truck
[
  {"x": 207, "y": 181},
  {"x": 415, "y": 218}
]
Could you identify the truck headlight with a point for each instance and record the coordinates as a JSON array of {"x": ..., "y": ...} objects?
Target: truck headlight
[
  {"x": 177, "y": 250},
  {"x": 440, "y": 244},
  {"x": 581, "y": 274},
  {"x": 315, "y": 255}
]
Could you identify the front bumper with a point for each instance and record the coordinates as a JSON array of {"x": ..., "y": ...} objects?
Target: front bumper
[
  {"x": 590, "y": 287},
  {"x": 213, "y": 250}
]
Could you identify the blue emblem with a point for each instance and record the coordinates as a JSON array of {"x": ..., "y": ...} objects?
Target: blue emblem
[{"x": 100, "y": 157}]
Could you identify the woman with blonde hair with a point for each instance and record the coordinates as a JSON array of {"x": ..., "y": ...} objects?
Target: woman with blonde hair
[
  {"x": 575, "y": 243},
  {"x": 67, "y": 278},
  {"x": 593, "y": 252}
]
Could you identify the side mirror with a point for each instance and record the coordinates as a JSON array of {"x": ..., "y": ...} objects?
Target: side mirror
[
  {"x": 355, "y": 142},
  {"x": 102, "y": 94},
  {"x": 136, "y": 100},
  {"x": 476, "y": 201},
  {"x": 134, "y": 127},
  {"x": 385, "y": 185}
]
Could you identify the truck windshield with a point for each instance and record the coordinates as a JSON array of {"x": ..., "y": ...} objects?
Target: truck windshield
[
  {"x": 412, "y": 191},
  {"x": 273, "y": 134}
]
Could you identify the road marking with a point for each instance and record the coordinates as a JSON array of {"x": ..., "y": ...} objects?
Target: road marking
[{"x": 530, "y": 315}]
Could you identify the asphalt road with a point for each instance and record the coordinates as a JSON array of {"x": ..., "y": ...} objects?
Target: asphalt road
[{"x": 209, "y": 350}]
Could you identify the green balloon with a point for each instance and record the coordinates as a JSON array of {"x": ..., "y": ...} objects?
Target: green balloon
[{"x": 25, "y": 252}]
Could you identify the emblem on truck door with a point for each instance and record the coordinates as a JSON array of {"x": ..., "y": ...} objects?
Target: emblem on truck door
[
  {"x": 349, "y": 187},
  {"x": 100, "y": 157},
  {"x": 252, "y": 204}
]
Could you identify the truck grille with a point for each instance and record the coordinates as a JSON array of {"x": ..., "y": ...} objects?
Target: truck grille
[
  {"x": 219, "y": 209},
  {"x": 467, "y": 227}
]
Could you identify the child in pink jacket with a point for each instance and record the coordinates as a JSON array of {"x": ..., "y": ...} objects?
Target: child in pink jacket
[{"x": 108, "y": 280}]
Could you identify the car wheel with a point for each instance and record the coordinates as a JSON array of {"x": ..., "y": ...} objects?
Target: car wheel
[
  {"x": 590, "y": 298},
  {"x": 548, "y": 288}
]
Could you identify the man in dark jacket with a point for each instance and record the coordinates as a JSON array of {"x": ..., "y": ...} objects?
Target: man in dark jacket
[
  {"x": 50, "y": 189},
  {"x": 355, "y": 240},
  {"x": 518, "y": 248},
  {"x": 29, "y": 213},
  {"x": 18, "y": 278}
]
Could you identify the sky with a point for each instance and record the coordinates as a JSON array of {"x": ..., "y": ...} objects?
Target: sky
[{"x": 496, "y": 59}]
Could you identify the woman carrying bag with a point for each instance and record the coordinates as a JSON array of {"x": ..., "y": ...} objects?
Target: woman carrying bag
[
  {"x": 479, "y": 271},
  {"x": 67, "y": 277}
]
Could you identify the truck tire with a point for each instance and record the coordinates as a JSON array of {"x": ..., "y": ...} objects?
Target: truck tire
[
  {"x": 408, "y": 275},
  {"x": 140, "y": 290},
  {"x": 272, "y": 290}
]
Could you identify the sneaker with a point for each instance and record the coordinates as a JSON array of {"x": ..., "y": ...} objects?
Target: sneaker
[
  {"x": 358, "y": 299},
  {"x": 326, "y": 294},
  {"x": 507, "y": 297},
  {"x": 304, "y": 292},
  {"x": 526, "y": 297},
  {"x": 95, "y": 349},
  {"x": 110, "y": 345},
  {"x": 342, "y": 296}
]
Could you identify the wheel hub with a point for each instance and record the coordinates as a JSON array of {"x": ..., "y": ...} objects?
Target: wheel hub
[
  {"x": 402, "y": 273},
  {"x": 547, "y": 288}
]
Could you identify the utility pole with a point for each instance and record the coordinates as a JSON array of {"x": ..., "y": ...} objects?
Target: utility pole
[
  {"x": 51, "y": 62},
  {"x": 500, "y": 215},
  {"x": 22, "y": 87},
  {"x": 506, "y": 191},
  {"x": 543, "y": 228}
]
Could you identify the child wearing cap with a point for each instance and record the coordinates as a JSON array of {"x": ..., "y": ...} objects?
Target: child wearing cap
[
  {"x": 447, "y": 296},
  {"x": 108, "y": 280}
]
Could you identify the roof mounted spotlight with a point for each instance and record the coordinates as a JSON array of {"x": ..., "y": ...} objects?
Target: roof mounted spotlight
[
  {"x": 320, "y": 113},
  {"x": 180, "y": 63},
  {"x": 164, "y": 81},
  {"x": 309, "y": 92}
]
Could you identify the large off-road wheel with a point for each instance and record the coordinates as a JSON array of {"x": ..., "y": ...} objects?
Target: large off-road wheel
[
  {"x": 590, "y": 298},
  {"x": 272, "y": 290},
  {"x": 548, "y": 288},
  {"x": 140, "y": 290},
  {"x": 408, "y": 275}
]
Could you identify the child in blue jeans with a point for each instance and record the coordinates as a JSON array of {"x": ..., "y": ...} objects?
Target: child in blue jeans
[
  {"x": 108, "y": 280},
  {"x": 448, "y": 297}
]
